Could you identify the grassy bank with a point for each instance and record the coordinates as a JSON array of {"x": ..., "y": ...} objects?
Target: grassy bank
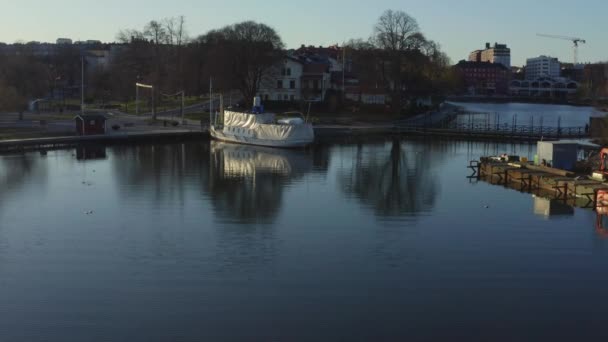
[{"x": 145, "y": 106}]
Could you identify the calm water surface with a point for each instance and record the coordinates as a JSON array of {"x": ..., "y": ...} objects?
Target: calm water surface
[
  {"x": 530, "y": 114},
  {"x": 363, "y": 242}
]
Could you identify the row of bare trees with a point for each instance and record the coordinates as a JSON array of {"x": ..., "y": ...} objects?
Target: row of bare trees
[
  {"x": 235, "y": 57},
  {"x": 397, "y": 57},
  {"x": 161, "y": 53}
]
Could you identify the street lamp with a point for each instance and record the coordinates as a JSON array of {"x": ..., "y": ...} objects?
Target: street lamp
[{"x": 145, "y": 86}]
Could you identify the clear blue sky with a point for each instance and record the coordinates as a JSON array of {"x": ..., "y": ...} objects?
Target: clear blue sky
[{"x": 459, "y": 26}]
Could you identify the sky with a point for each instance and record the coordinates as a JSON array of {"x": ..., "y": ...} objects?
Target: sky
[{"x": 458, "y": 26}]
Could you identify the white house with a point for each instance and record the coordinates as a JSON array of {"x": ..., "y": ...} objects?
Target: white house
[{"x": 283, "y": 83}]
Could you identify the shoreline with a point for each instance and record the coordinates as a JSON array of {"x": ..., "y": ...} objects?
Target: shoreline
[
  {"x": 357, "y": 130},
  {"x": 52, "y": 143},
  {"x": 522, "y": 100},
  {"x": 323, "y": 135}
]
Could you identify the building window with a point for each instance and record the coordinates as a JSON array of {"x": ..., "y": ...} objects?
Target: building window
[
  {"x": 292, "y": 84},
  {"x": 288, "y": 72},
  {"x": 285, "y": 97},
  {"x": 278, "y": 97},
  {"x": 266, "y": 97},
  {"x": 292, "y": 98},
  {"x": 279, "y": 84},
  {"x": 315, "y": 84}
]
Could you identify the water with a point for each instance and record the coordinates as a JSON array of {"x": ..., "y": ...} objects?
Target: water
[
  {"x": 354, "y": 242},
  {"x": 529, "y": 114}
]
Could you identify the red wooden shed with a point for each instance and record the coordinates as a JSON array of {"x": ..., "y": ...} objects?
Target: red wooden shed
[{"x": 90, "y": 124}]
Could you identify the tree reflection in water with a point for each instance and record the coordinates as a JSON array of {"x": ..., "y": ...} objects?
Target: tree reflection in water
[
  {"x": 161, "y": 172},
  {"x": 396, "y": 180},
  {"x": 16, "y": 171},
  {"x": 245, "y": 184}
]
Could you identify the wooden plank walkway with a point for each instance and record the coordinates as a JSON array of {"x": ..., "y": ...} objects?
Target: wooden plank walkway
[
  {"x": 575, "y": 191},
  {"x": 489, "y": 133},
  {"x": 124, "y": 137}
]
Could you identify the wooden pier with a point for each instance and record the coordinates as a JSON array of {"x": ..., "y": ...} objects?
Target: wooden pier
[
  {"x": 576, "y": 191},
  {"x": 496, "y": 132},
  {"x": 51, "y": 143}
]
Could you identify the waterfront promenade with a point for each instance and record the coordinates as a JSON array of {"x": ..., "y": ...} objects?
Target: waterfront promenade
[{"x": 47, "y": 130}]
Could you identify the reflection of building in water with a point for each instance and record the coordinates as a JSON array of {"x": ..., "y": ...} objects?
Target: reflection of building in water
[
  {"x": 551, "y": 207},
  {"x": 247, "y": 182},
  {"x": 90, "y": 152}
]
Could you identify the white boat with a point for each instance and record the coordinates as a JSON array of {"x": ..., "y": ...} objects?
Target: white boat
[{"x": 262, "y": 129}]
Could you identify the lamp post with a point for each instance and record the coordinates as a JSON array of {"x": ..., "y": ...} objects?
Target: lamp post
[
  {"x": 146, "y": 86},
  {"x": 82, "y": 85},
  {"x": 343, "y": 71}
]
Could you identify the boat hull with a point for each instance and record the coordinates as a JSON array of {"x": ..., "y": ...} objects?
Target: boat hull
[{"x": 221, "y": 136}]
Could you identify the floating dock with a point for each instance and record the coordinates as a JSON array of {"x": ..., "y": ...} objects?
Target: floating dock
[
  {"x": 20, "y": 145},
  {"x": 576, "y": 191}
]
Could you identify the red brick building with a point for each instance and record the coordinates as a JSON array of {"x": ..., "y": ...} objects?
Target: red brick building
[{"x": 484, "y": 78}]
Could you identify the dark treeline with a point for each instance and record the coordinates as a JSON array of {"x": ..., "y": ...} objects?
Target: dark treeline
[{"x": 397, "y": 57}]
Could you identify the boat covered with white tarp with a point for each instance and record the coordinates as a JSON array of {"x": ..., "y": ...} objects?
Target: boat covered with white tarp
[{"x": 263, "y": 129}]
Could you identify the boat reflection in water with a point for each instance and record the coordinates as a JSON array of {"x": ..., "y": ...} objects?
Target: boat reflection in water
[
  {"x": 233, "y": 160},
  {"x": 247, "y": 182}
]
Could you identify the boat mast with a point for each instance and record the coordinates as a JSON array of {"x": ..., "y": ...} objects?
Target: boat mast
[
  {"x": 211, "y": 102},
  {"x": 82, "y": 84}
]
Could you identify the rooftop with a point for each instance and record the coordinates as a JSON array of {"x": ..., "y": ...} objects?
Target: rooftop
[{"x": 486, "y": 65}]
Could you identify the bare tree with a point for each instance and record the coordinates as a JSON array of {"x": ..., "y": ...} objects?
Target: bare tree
[
  {"x": 397, "y": 32},
  {"x": 176, "y": 30},
  {"x": 398, "y": 35},
  {"x": 177, "y": 38},
  {"x": 249, "y": 49},
  {"x": 129, "y": 35},
  {"x": 156, "y": 32}
]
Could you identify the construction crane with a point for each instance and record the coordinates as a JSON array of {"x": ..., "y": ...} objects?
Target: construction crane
[{"x": 574, "y": 40}]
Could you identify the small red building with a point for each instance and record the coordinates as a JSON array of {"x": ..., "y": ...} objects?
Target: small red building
[{"x": 90, "y": 124}]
